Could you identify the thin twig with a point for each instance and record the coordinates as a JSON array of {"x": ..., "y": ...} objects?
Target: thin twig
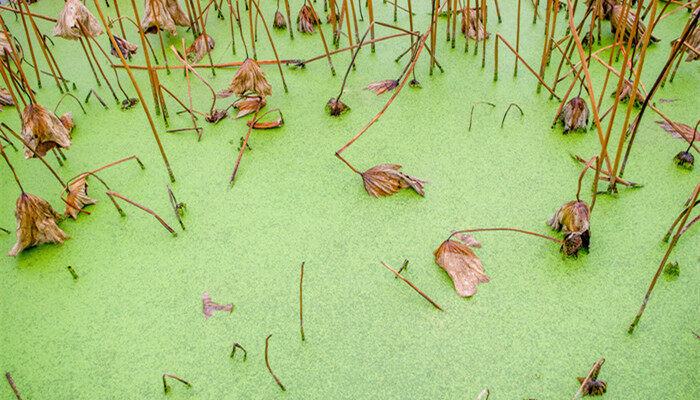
[
  {"x": 413, "y": 286},
  {"x": 171, "y": 230},
  {"x": 267, "y": 362}
]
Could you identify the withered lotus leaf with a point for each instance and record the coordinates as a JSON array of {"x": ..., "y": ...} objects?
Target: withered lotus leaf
[
  {"x": 626, "y": 92},
  {"x": 616, "y": 22},
  {"x": 573, "y": 218},
  {"x": 248, "y": 105},
  {"x": 684, "y": 159},
  {"x": 306, "y": 20},
  {"x": 680, "y": 131},
  {"x": 67, "y": 121},
  {"x": 462, "y": 265},
  {"x": 382, "y": 86},
  {"x": 593, "y": 387},
  {"x": 574, "y": 115},
  {"x": 468, "y": 239},
  {"x": 336, "y": 107},
  {"x": 208, "y": 306},
  {"x": 268, "y": 125},
  {"x": 199, "y": 48},
  {"x": 163, "y": 14},
  {"x": 474, "y": 29},
  {"x": 43, "y": 131},
  {"x": 248, "y": 78},
  {"x": 73, "y": 15},
  {"x": 386, "y": 179},
  {"x": 36, "y": 224},
  {"x": 279, "y": 22},
  {"x": 127, "y": 49},
  {"x": 216, "y": 116},
  {"x": 6, "y": 98},
  {"x": 77, "y": 197}
]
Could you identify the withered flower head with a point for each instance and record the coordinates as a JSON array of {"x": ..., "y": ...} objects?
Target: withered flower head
[
  {"x": 306, "y": 20},
  {"x": 6, "y": 98},
  {"x": 627, "y": 91},
  {"x": 462, "y": 265},
  {"x": 593, "y": 387},
  {"x": 77, "y": 197},
  {"x": 248, "y": 78},
  {"x": 382, "y": 86},
  {"x": 163, "y": 14},
  {"x": 73, "y": 15},
  {"x": 127, "y": 49},
  {"x": 199, "y": 48},
  {"x": 336, "y": 107},
  {"x": 616, "y": 22},
  {"x": 386, "y": 179},
  {"x": 279, "y": 22},
  {"x": 248, "y": 105},
  {"x": 573, "y": 219},
  {"x": 684, "y": 159},
  {"x": 475, "y": 28},
  {"x": 574, "y": 115},
  {"x": 42, "y": 130},
  {"x": 36, "y": 224},
  {"x": 67, "y": 121}
]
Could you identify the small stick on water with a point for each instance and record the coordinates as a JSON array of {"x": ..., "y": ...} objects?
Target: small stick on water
[
  {"x": 484, "y": 392},
  {"x": 166, "y": 387},
  {"x": 591, "y": 375},
  {"x": 115, "y": 194},
  {"x": 413, "y": 286},
  {"x": 12, "y": 385},
  {"x": 177, "y": 207},
  {"x": 301, "y": 304},
  {"x": 522, "y": 114},
  {"x": 267, "y": 362},
  {"x": 245, "y": 142},
  {"x": 90, "y": 93},
  {"x": 4, "y": 230},
  {"x": 72, "y": 272},
  {"x": 238, "y": 346},
  {"x": 471, "y": 113},
  {"x": 405, "y": 264}
]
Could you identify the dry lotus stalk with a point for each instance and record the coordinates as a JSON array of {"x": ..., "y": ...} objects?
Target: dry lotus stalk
[
  {"x": 382, "y": 86},
  {"x": 680, "y": 131},
  {"x": 127, "y": 49},
  {"x": 208, "y": 306},
  {"x": 306, "y": 20},
  {"x": 476, "y": 29},
  {"x": 73, "y": 15},
  {"x": 249, "y": 78},
  {"x": 616, "y": 23},
  {"x": 43, "y": 131},
  {"x": 248, "y": 105},
  {"x": 199, "y": 48},
  {"x": 627, "y": 91},
  {"x": 36, "y": 224},
  {"x": 462, "y": 265},
  {"x": 336, "y": 107},
  {"x": 77, "y": 197},
  {"x": 386, "y": 179},
  {"x": 163, "y": 14},
  {"x": 279, "y": 22},
  {"x": 574, "y": 115},
  {"x": 6, "y": 97},
  {"x": 573, "y": 219}
]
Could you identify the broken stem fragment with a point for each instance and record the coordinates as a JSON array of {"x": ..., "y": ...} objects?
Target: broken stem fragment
[
  {"x": 508, "y": 109},
  {"x": 471, "y": 113},
  {"x": 12, "y": 385},
  {"x": 413, "y": 286},
  {"x": 238, "y": 346},
  {"x": 111, "y": 193},
  {"x": 72, "y": 272},
  {"x": 301, "y": 304},
  {"x": 267, "y": 362},
  {"x": 166, "y": 387}
]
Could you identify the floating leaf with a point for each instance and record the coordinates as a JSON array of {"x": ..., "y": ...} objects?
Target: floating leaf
[
  {"x": 574, "y": 115},
  {"x": 127, "y": 49},
  {"x": 43, "y": 131},
  {"x": 77, "y": 197},
  {"x": 199, "y": 48},
  {"x": 462, "y": 265},
  {"x": 268, "y": 125},
  {"x": 208, "y": 306},
  {"x": 36, "y": 223},
  {"x": 73, "y": 15},
  {"x": 164, "y": 15},
  {"x": 678, "y": 130},
  {"x": 382, "y": 86},
  {"x": 573, "y": 219},
  {"x": 386, "y": 179}
]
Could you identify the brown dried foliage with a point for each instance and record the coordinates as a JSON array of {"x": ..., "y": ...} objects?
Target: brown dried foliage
[
  {"x": 250, "y": 78},
  {"x": 386, "y": 179},
  {"x": 476, "y": 29},
  {"x": 163, "y": 14},
  {"x": 73, "y": 15},
  {"x": 616, "y": 21},
  {"x": 127, "y": 49},
  {"x": 208, "y": 306},
  {"x": 306, "y": 20},
  {"x": 382, "y": 86},
  {"x": 574, "y": 115},
  {"x": 462, "y": 265},
  {"x": 6, "y": 98},
  {"x": 573, "y": 218},
  {"x": 248, "y": 105},
  {"x": 680, "y": 131},
  {"x": 77, "y": 197},
  {"x": 36, "y": 224},
  {"x": 279, "y": 21},
  {"x": 43, "y": 131},
  {"x": 199, "y": 48},
  {"x": 336, "y": 107}
]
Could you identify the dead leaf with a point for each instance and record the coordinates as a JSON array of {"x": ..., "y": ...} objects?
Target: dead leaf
[
  {"x": 6, "y": 98},
  {"x": 382, "y": 86},
  {"x": 462, "y": 265},
  {"x": 468, "y": 239},
  {"x": 208, "y": 306},
  {"x": 36, "y": 223},
  {"x": 616, "y": 22},
  {"x": 248, "y": 78},
  {"x": 73, "y": 15},
  {"x": 680, "y": 131},
  {"x": 248, "y": 105},
  {"x": 574, "y": 115},
  {"x": 43, "y": 131},
  {"x": 593, "y": 387},
  {"x": 77, "y": 197},
  {"x": 199, "y": 48},
  {"x": 127, "y": 49},
  {"x": 573, "y": 219},
  {"x": 475, "y": 29},
  {"x": 306, "y": 20},
  {"x": 164, "y": 15},
  {"x": 279, "y": 22},
  {"x": 268, "y": 125},
  {"x": 336, "y": 107},
  {"x": 386, "y": 179}
]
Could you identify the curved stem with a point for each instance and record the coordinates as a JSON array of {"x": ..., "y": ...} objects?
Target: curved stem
[
  {"x": 580, "y": 178},
  {"x": 267, "y": 362},
  {"x": 63, "y": 97},
  {"x": 506, "y": 229},
  {"x": 508, "y": 109},
  {"x": 352, "y": 61},
  {"x": 471, "y": 113}
]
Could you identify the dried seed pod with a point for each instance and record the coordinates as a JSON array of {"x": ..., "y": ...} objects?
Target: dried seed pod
[
  {"x": 616, "y": 22},
  {"x": 279, "y": 22},
  {"x": 306, "y": 20},
  {"x": 382, "y": 86},
  {"x": 386, "y": 179},
  {"x": 36, "y": 223},
  {"x": 73, "y": 15},
  {"x": 462, "y": 265},
  {"x": 199, "y": 48},
  {"x": 684, "y": 159},
  {"x": 163, "y": 14},
  {"x": 574, "y": 115},
  {"x": 573, "y": 219},
  {"x": 43, "y": 131},
  {"x": 475, "y": 30},
  {"x": 127, "y": 49},
  {"x": 336, "y": 107},
  {"x": 248, "y": 79},
  {"x": 77, "y": 197}
]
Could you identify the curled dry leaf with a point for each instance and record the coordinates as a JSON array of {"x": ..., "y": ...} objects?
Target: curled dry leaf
[
  {"x": 573, "y": 219},
  {"x": 386, "y": 179},
  {"x": 73, "y": 15},
  {"x": 593, "y": 387},
  {"x": 6, "y": 98},
  {"x": 163, "y": 14},
  {"x": 616, "y": 22},
  {"x": 684, "y": 160},
  {"x": 199, "y": 48},
  {"x": 249, "y": 78},
  {"x": 306, "y": 20},
  {"x": 627, "y": 91},
  {"x": 43, "y": 131},
  {"x": 127, "y": 49},
  {"x": 248, "y": 105},
  {"x": 462, "y": 265},
  {"x": 268, "y": 125},
  {"x": 468, "y": 239},
  {"x": 336, "y": 107},
  {"x": 36, "y": 224},
  {"x": 208, "y": 306},
  {"x": 382, "y": 86},
  {"x": 279, "y": 21},
  {"x": 574, "y": 115},
  {"x": 475, "y": 28},
  {"x": 680, "y": 131},
  {"x": 77, "y": 197},
  {"x": 67, "y": 121}
]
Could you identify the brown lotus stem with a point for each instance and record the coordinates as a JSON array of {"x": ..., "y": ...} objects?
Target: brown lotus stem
[
  {"x": 267, "y": 362},
  {"x": 119, "y": 18},
  {"x": 694, "y": 198},
  {"x": 689, "y": 225},
  {"x": 189, "y": 89},
  {"x": 539, "y": 78},
  {"x": 323, "y": 37},
  {"x": 517, "y": 42},
  {"x": 569, "y": 50},
  {"x": 403, "y": 267},
  {"x": 118, "y": 162},
  {"x": 15, "y": 59},
  {"x": 238, "y": 346},
  {"x": 4, "y": 230},
  {"x": 454, "y": 23},
  {"x": 115, "y": 194},
  {"x": 675, "y": 222},
  {"x": 12, "y": 385},
  {"x": 289, "y": 19},
  {"x": 467, "y": 15},
  {"x": 413, "y": 286},
  {"x": 16, "y": 11},
  {"x": 371, "y": 20},
  {"x": 504, "y": 229},
  {"x": 204, "y": 32},
  {"x": 522, "y": 114},
  {"x": 471, "y": 113},
  {"x": 92, "y": 92},
  {"x": 87, "y": 57},
  {"x": 243, "y": 146},
  {"x": 9, "y": 89},
  {"x": 166, "y": 388},
  {"x": 274, "y": 50},
  {"x": 580, "y": 178},
  {"x": 138, "y": 92},
  {"x": 34, "y": 152},
  {"x": 97, "y": 62},
  {"x": 606, "y": 173},
  {"x": 12, "y": 168},
  {"x": 31, "y": 50},
  {"x": 484, "y": 17},
  {"x": 72, "y": 272},
  {"x": 354, "y": 18},
  {"x": 591, "y": 375},
  {"x": 304, "y": 62},
  {"x": 301, "y": 303},
  {"x": 433, "y": 29},
  {"x": 619, "y": 37},
  {"x": 562, "y": 103},
  {"x": 71, "y": 95}
]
